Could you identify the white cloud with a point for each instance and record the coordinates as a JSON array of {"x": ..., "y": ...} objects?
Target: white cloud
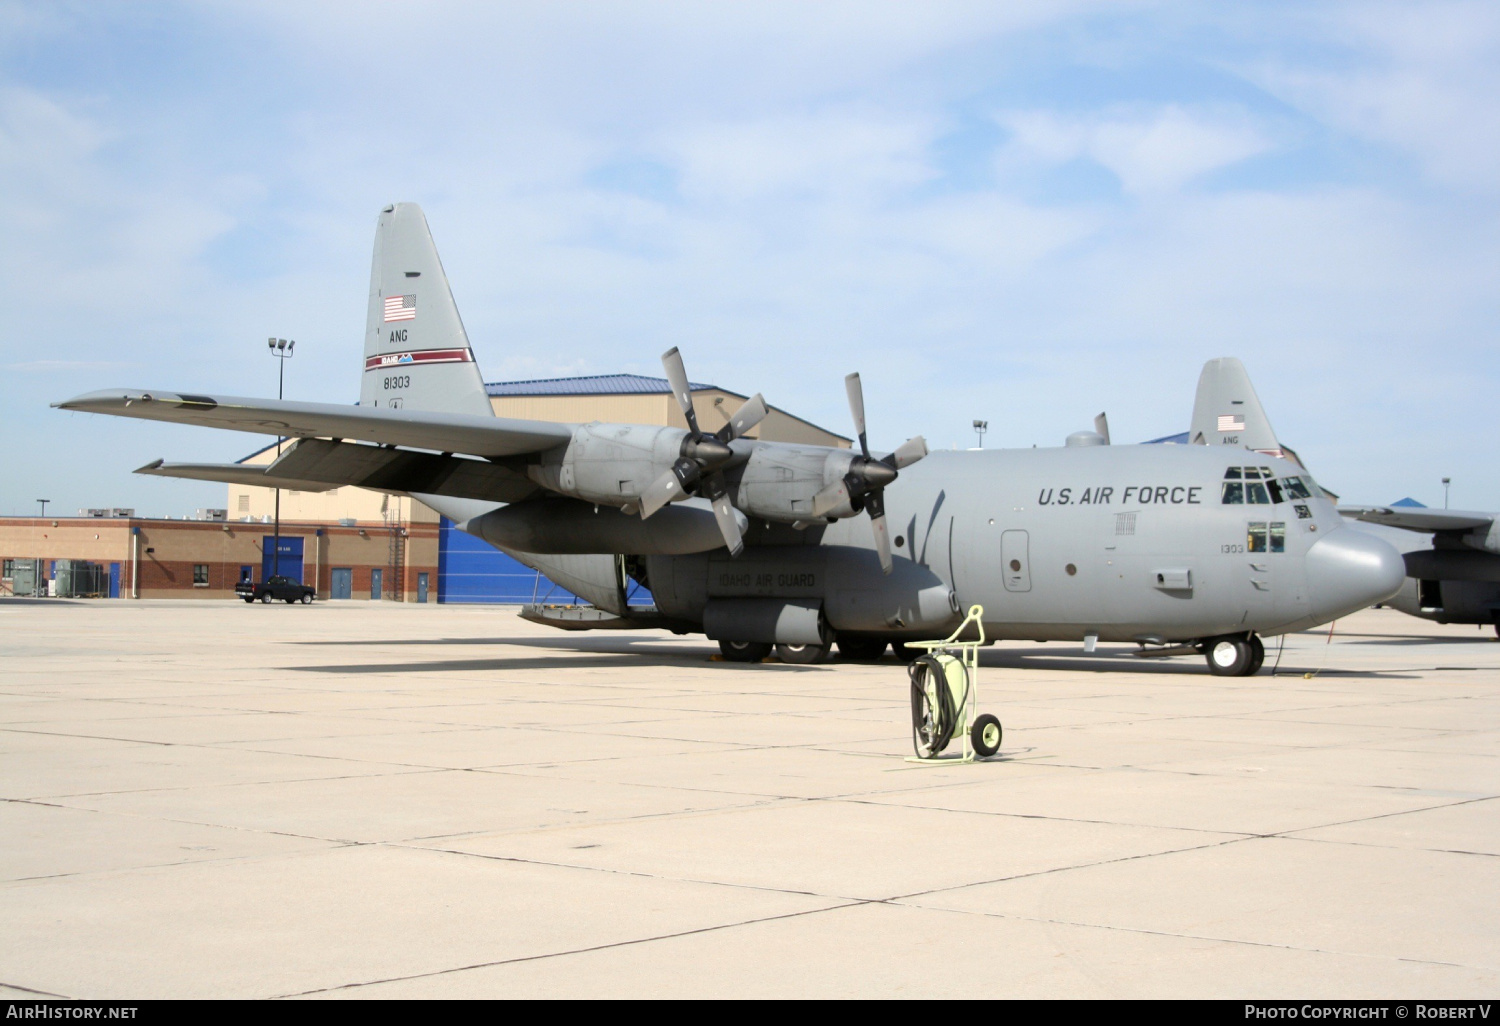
[{"x": 1149, "y": 151}]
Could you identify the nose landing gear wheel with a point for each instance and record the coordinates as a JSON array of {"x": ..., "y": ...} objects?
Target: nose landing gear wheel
[
  {"x": 985, "y": 735},
  {"x": 1257, "y": 655},
  {"x": 744, "y": 651},
  {"x": 1232, "y": 655}
]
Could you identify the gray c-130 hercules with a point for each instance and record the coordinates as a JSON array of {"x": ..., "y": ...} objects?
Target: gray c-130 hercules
[{"x": 758, "y": 544}]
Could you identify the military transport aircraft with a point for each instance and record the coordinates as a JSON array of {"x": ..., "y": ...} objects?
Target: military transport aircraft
[{"x": 1181, "y": 549}]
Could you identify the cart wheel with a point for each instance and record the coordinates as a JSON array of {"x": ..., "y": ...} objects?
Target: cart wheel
[{"x": 985, "y": 734}]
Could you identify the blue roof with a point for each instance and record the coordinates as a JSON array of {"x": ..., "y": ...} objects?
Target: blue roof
[
  {"x": 1181, "y": 439},
  {"x": 1409, "y": 501},
  {"x": 595, "y": 384}
]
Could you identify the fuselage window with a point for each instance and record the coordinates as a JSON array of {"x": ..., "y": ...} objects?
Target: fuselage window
[
  {"x": 1278, "y": 536},
  {"x": 1256, "y": 536},
  {"x": 1295, "y": 488}
]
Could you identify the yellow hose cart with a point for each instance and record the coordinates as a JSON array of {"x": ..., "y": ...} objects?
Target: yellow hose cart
[{"x": 944, "y": 684}]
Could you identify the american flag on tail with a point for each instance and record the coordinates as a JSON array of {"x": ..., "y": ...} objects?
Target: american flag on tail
[{"x": 400, "y": 308}]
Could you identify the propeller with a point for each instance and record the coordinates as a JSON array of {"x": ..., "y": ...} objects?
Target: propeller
[
  {"x": 1101, "y": 427},
  {"x": 699, "y": 467},
  {"x": 863, "y": 485}
]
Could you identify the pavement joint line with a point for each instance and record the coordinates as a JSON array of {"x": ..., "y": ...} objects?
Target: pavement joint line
[
  {"x": 1057, "y": 819},
  {"x": 575, "y": 951},
  {"x": 38, "y": 993},
  {"x": 1074, "y": 868},
  {"x": 899, "y": 902},
  {"x": 636, "y": 873},
  {"x": 1392, "y": 847},
  {"x": 238, "y": 783}
]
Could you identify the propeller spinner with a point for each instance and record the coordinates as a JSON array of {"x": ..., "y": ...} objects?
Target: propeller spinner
[
  {"x": 863, "y": 486},
  {"x": 699, "y": 468}
]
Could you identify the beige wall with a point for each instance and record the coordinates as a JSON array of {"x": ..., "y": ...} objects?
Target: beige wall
[{"x": 714, "y": 406}]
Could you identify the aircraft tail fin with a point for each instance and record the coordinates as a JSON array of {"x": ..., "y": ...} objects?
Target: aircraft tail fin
[
  {"x": 1228, "y": 412},
  {"x": 417, "y": 353}
]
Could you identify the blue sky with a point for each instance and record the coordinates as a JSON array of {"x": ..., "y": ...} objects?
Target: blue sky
[{"x": 1019, "y": 213}]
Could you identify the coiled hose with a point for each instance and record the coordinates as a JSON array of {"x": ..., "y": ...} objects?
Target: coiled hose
[{"x": 933, "y": 724}]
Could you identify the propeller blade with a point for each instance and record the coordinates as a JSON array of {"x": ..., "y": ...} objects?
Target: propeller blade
[
  {"x": 658, "y": 493},
  {"x": 729, "y": 526},
  {"x": 875, "y": 503},
  {"x": 910, "y": 451},
  {"x": 678, "y": 379},
  {"x": 830, "y": 498},
  {"x": 750, "y": 413},
  {"x": 1101, "y": 426},
  {"x": 857, "y": 407}
]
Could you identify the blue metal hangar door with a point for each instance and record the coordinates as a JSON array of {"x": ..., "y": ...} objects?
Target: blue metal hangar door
[
  {"x": 291, "y": 557},
  {"x": 470, "y": 570}
]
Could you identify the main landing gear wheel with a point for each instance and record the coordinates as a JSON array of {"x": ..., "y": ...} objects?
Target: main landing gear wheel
[
  {"x": 803, "y": 653},
  {"x": 744, "y": 651},
  {"x": 1231, "y": 655},
  {"x": 985, "y": 735},
  {"x": 861, "y": 650}
]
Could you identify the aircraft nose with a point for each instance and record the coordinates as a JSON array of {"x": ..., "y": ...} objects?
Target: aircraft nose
[{"x": 1349, "y": 570}]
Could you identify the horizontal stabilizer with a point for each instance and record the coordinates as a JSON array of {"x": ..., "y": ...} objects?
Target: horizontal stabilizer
[
  {"x": 232, "y": 473},
  {"x": 440, "y": 432},
  {"x": 313, "y": 464}
]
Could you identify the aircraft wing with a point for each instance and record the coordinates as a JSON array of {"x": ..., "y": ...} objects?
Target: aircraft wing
[
  {"x": 315, "y": 464},
  {"x": 440, "y": 432},
  {"x": 1417, "y": 519}
]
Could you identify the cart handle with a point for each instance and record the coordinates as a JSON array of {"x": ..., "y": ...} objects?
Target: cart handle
[{"x": 976, "y": 617}]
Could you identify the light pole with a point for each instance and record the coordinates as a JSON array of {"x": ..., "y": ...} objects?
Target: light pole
[
  {"x": 1446, "y": 481},
  {"x": 44, "y": 505},
  {"x": 980, "y": 427},
  {"x": 282, "y": 350}
]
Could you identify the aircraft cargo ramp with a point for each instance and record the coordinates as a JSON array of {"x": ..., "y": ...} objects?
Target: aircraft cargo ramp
[{"x": 372, "y": 800}]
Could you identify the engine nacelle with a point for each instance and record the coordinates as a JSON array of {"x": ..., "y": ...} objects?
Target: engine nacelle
[
  {"x": 779, "y": 482},
  {"x": 610, "y": 464}
]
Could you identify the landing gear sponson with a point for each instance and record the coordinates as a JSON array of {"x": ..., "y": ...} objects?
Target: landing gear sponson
[{"x": 1233, "y": 655}]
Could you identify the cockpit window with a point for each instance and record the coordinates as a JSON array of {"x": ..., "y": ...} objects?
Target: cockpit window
[{"x": 1258, "y": 486}]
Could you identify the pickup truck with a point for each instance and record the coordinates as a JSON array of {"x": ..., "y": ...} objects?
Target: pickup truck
[{"x": 283, "y": 588}]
